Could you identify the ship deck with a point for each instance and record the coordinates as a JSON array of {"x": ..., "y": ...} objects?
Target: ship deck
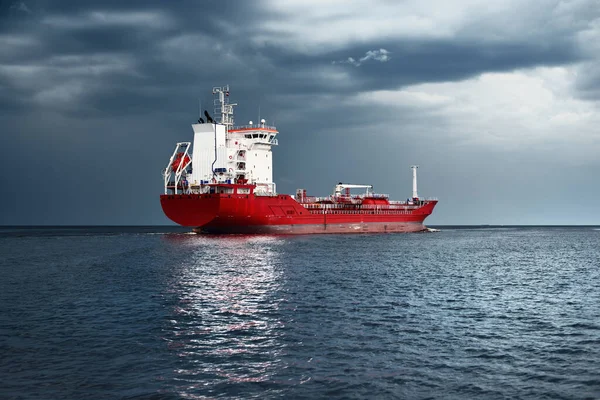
[{"x": 231, "y": 208}]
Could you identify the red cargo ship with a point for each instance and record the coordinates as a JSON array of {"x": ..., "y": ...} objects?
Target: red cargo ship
[{"x": 225, "y": 185}]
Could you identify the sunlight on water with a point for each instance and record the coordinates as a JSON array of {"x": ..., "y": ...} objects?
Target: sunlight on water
[{"x": 223, "y": 329}]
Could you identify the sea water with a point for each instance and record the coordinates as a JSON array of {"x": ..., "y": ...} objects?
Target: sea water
[{"x": 98, "y": 313}]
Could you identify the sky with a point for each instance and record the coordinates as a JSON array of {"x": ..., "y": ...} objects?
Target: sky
[{"x": 497, "y": 102}]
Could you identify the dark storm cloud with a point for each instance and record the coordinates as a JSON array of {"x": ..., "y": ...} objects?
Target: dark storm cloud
[
  {"x": 588, "y": 84},
  {"x": 115, "y": 63},
  {"x": 450, "y": 61},
  {"x": 412, "y": 61},
  {"x": 170, "y": 52}
]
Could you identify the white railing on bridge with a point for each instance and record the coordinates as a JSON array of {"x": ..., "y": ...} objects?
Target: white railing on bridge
[{"x": 253, "y": 126}]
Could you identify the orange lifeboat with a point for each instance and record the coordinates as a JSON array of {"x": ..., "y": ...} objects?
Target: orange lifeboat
[{"x": 177, "y": 161}]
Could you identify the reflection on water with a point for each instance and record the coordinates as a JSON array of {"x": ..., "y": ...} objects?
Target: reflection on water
[
  {"x": 494, "y": 314},
  {"x": 224, "y": 325}
]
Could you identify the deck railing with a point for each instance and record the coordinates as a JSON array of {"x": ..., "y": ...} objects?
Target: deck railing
[
  {"x": 320, "y": 206},
  {"x": 317, "y": 202},
  {"x": 253, "y": 126}
]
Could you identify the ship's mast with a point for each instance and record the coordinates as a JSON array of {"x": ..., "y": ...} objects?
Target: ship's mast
[
  {"x": 414, "y": 168},
  {"x": 223, "y": 107}
]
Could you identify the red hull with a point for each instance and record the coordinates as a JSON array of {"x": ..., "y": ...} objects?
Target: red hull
[{"x": 247, "y": 213}]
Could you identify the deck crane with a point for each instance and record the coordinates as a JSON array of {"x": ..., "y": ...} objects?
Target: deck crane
[{"x": 341, "y": 186}]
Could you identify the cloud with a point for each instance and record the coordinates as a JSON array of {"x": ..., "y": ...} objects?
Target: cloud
[
  {"x": 524, "y": 110},
  {"x": 307, "y": 27},
  {"x": 66, "y": 83},
  {"x": 20, "y": 6},
  {"x": 314, "y": 27},
  {"x": 149, "y": 19},
  {"x": 381, "y": 55}
]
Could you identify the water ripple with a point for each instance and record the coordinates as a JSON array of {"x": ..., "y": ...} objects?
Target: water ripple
[{"x": 495, "y": 313}]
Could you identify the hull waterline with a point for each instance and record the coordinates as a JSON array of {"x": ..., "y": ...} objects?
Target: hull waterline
[{"x": 249, "y": 214}]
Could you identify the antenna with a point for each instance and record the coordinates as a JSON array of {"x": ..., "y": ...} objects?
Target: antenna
[{"x": 258, "y": 113}]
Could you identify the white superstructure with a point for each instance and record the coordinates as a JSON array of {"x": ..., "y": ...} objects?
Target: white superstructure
[{"x": 224, "y": 153}]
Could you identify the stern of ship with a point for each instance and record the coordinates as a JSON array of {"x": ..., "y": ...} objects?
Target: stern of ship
[{"x": 194, "y": 210}]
